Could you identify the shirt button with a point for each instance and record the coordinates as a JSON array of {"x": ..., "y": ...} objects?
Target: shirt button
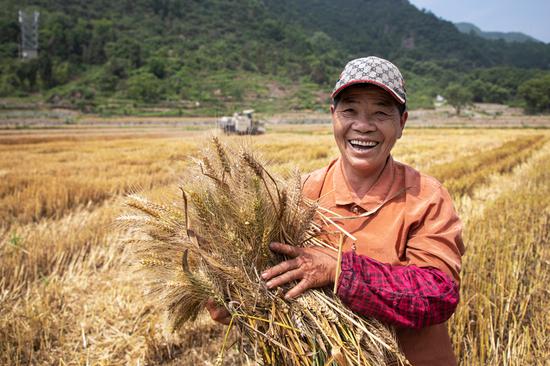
[{"x": 355, "y": 209}]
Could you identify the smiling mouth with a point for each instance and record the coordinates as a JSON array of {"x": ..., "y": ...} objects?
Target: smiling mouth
[{"x": 361, "y": 145}]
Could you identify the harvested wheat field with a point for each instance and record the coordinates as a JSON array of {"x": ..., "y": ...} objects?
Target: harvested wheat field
[{"x": 69, "y": 296}]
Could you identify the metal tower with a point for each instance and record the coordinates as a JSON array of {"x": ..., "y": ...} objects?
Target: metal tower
[{"x": 29, "y": 34}]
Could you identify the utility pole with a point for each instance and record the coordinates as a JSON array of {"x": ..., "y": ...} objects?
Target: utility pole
[{"x": 28, "y": 21}]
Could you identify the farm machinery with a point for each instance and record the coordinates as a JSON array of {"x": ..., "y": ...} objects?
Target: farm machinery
[{"x": 241, "y": 123}]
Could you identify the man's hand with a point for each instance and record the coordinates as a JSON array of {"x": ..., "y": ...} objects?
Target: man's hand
[
  {"x": 314, "y": 267},
  {"x": 218, "y": 313}
]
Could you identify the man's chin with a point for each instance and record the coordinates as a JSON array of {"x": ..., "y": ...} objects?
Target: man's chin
[{"x": 361, "y": 165}]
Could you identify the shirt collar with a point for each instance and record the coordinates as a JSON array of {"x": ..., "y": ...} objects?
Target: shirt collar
[{"x": 376, "y": 194}]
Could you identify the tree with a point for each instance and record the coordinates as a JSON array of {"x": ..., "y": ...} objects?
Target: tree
[
  {"x": 145, "y": 87},
  {"x": 45, "y": 70},
  {"x": 9, "y": 34},
  {"x": 125, "y": 48},
  {"x": 55, "y": 35},
  {"x": 101, "y": 34},
  {"x": 488, "y": 92},
  {"x": 9, "y": 82},
  {"x": 536, "y": 93},
  {"x": 26, "y": 72},
  {"x": 157, "y": 66},
  {"x": 458, "y": 96}
]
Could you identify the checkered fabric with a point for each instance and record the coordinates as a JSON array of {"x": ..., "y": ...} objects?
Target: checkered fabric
[
  {"x": 404, "y": 296},
  {"x": 373, "y": 70}
]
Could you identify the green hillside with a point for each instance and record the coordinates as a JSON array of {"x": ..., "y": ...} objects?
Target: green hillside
[{"x": 207, "y": 57}]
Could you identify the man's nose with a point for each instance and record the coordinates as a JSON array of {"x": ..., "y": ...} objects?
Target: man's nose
[{"x": 364, "y": 123}]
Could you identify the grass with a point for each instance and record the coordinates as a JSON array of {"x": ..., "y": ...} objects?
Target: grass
[
  {"x": 463, "y": 176},
  {"x": 68, "y": 296},
  {"x": 503, "y": 318}
]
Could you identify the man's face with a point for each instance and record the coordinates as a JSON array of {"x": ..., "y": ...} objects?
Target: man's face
[{"x": 366, "y": 124}]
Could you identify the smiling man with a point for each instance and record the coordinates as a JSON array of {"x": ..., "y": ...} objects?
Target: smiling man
[
  {"x": 366, "y": 123},
  {"x": 402, "y": 260},
  {"x": 402, "y": 256}
]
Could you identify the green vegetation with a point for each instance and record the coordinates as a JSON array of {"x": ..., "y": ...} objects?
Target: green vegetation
[
  {"x": 214, "y": 56},
  {"x": 458, "y": 96},
  {"x": 536, "y": 93}
]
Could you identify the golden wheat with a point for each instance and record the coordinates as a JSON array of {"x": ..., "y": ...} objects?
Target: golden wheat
[
  {"x": 67, "y": 295},
  {"x": 237, "y": 208}
]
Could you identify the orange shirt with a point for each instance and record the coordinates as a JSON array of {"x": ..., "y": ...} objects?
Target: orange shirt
[{"x": 406, "y": 218}]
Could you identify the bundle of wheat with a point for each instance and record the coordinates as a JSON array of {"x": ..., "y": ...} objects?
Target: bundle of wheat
[{"x": 215, "y": 245}]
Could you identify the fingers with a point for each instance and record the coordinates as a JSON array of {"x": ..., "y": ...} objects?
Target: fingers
[
  {"x": 218, "y": 313},
  {"x": 280, "y": 268},
  {"x": 299, "y": 289},
  {"x": 285, "y": 278},
  {"x": 210, "y": 304},
  {"x": 288, "y": 250},
  {"x": 283, "y": 266},
  {"x": 290, "y": 276}
]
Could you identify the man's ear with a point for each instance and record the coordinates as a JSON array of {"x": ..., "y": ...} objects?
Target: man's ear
[
  {"x": 402, "y": 121},
  {"x": 332, "y": 109}
]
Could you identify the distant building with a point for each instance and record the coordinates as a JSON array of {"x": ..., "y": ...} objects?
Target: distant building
[{"x": 439, "y": 100}]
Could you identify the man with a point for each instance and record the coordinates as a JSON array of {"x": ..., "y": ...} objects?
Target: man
[{"x": 401, "y": 261}]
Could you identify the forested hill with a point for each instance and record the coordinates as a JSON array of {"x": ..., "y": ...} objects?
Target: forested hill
[
  {"x": 223, "y": 53},
  {"x": 507, "y": 36},
  {"x": 398, "y": 30}
]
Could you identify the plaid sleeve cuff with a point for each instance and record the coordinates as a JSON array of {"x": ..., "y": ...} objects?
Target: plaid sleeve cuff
[{"x": 405, "y": 296}]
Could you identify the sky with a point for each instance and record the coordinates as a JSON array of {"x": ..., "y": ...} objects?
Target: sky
[{"x": 531, "y": 17}]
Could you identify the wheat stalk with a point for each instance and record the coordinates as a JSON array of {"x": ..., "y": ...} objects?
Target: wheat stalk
[{"x": 232, "y": 209}]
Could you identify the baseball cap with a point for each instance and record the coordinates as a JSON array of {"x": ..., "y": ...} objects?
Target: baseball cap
[{"x": 373, "y": 70}]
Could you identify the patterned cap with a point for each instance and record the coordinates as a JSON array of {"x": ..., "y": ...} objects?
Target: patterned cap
[{"x": 373, "y": 70}]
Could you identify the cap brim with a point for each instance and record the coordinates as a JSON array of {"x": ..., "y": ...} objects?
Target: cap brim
[{"x": 396, "y": 96}]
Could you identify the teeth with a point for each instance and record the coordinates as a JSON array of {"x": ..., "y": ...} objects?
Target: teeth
[{"x": 363, "y": 143}]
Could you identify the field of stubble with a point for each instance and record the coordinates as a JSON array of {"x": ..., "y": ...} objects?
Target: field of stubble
[{"x": 68, "y": 295}]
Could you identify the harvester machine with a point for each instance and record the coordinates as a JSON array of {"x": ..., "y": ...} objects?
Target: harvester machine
[{"x": 242, "y": 123}]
